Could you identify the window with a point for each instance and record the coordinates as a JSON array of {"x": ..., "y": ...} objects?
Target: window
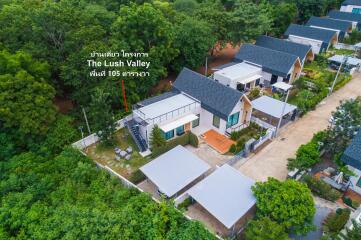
[
  {"x": 233, "y": 120},
  {"x": 216, "y": 121},
  {"x": 195, "y": 123},
  {"x": 356, "y": 10},
  {"x": 180, "y": 130},
  {"x": 274, "y": 79},
  {"x": 169, "y": 135}
]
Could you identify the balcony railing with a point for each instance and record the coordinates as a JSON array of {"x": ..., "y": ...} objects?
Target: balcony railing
[{"x": 169, "y": 115}]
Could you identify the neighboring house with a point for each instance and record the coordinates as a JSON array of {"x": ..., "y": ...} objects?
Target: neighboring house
[
  {"x": 341, "y": 27},
  {"x": 319, "y": 39},
  {"x": 227, "y": 196},
  {"x": 354, "y": 18},
  {"x": 276, "y": 66},
  {"x": 352, "y": 6},
  {"x": 352, "y": 158},
  {"x": 356, "y": 216},
  {"x": 196, "y": 103},
  {"x": 174, "y": 170},
  {"x": 304, "y": 52},
  {"x": 240, "y": 76}
]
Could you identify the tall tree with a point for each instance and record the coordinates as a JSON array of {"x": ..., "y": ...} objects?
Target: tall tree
[
  {"x": 247, "y": 21},
  {"x": 265, "y": 228},
  {"x": 156, "y": 138},
  {"x": 194, "y": 39},
  {"x": 101, "y": 116},
  {"x": 25, "y": 96},
  {"x": 288, "y": 203}
]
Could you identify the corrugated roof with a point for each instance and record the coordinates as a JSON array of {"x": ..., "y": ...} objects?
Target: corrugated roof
[
  {"x": 353, "y": 17},
  {"x": 214, "y": 97},
  {"x": 309, "y": 32},
  {"x": 276, "y": 62},
  {"x": 352, "y": 155},
  {"x": 174, "y": 170},
  {"x": 282, "y": 45},
  {"x": 352, "y": 2},
  {"x": 330, "y": 23},
  {"x": 226, "y": 194}
]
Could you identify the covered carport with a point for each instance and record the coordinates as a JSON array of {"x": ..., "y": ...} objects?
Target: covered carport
[
  {"x": 223, "y": 201},
  {"x": 269, "y": 111},
  {"x": 174, "y": 171}
]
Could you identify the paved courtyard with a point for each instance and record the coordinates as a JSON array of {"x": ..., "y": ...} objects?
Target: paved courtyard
[
  {"x": 208, "y": 154},
  {"x": 272, "y": 160}
]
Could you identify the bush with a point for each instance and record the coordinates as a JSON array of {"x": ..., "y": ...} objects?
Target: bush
[
  {"x": 185, "y": 204},
  {"x": 254, "y": 93},
  {"x": 306, "y": 157},
  {"x": 233, "y": 148},
  {"x": 336, "y": 221},
  {"x": 137, "y": 177},
  {"x": 193, "y": 139},
  {"x": 185, "y": 139},
  {"x": 321, "y": 188}
]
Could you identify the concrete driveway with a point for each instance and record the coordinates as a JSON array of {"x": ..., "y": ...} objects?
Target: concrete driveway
[{"x": 272, "y": 160}]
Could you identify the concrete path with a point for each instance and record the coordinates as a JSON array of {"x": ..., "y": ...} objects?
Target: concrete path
[{"x": 272, "y": 160}]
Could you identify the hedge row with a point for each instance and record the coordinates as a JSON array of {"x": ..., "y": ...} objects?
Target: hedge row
[
  {"x": 321, "y": 188},
  {"x": 187, "y": 138}
]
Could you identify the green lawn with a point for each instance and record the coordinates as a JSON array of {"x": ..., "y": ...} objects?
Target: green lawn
[{"x": 106, "y": 155}]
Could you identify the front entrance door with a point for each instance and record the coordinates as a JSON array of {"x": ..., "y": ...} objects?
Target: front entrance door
[{"x": 274, "y": 79}]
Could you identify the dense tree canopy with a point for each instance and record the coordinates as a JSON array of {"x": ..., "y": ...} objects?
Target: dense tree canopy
[
  {"x": 288, "y": 203},
  {"x": 67, "y": 197},
  {"x": 265, "y": 228}
]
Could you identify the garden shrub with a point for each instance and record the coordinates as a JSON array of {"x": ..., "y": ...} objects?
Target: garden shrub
[
  {"x": 185, "y": 204},
  {"x": 347, "y": 201},
  {"x": 254, "y": 93},
  {"x": 137, "y": 177},
  {"x": 336, "y": 221},
  {"x": 233, "y": 148},
  {"x": 321, "y": 188},
  {"x": 306, "y": 157},
  {"x": 183, "y": 140},
  {"x": 193, "y": 139}
]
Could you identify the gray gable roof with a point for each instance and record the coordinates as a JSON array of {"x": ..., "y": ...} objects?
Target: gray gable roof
[
  {"x": 353, "y": 17},
  {"x": 282, "y": 45},
  {"x": 352, "y": 2},
  {"x": 309, "y": 32},
  {"x": 352, "y": 155},
  {"x": 214, "y": 97},
  {"x": 275, "y": 62},
  {"x": 330, "y": 23}
]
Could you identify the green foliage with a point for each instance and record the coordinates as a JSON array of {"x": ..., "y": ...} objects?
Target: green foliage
[
  {"x": 321, "y": 188},
  {"x": 288, "y": 203},
  {"x": 347, "y": 122},
  {"x": 353, "y": 233},
  {"x": 137, "y": 177},
  {"x": 185, "y": 204},
  {"x": 157, "y": 139},
  {"x": 247, "y": 21},
  {"x": 254, "y": 93},
  {"x": 233, "y": 148},
  {"x": 306, "y": 157},
  {"x": 241, "y": 137},
  {"x": 265, "y": 228},
  {"x": 185, "y": 6},
  {"x": 101, "y": 118},
  {"x": 199, "y": 45},
  {"x": 336, "y": 221},
  {"x": 7, "y": 148},
  {"x": 353, "y": 37},
  {"x": 183, "y": 140},
  {"x": 193, "y": 140},
  {"x": 25, "y": 96},
  {"x": 68, "y": 197}
]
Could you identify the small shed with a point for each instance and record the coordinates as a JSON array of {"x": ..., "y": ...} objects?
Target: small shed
[{"x": 174, "y": 170}]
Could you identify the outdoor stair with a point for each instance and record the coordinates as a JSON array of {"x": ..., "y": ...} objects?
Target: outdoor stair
[{"x": 132, "y": 127}]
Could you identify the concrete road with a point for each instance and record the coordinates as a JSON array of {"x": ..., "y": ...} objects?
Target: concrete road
[{"x": 272, "y": 160}]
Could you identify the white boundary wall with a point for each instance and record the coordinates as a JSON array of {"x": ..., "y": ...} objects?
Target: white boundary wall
[{"x": 93, "y": 138}]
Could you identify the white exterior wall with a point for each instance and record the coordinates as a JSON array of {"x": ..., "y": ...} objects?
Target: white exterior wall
[
  {"x": 146, "y": 131},
  {"x": 316, "y": 45},
  {"x": 206, "y": 122},
  {"x": 348, "y": 8}
]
